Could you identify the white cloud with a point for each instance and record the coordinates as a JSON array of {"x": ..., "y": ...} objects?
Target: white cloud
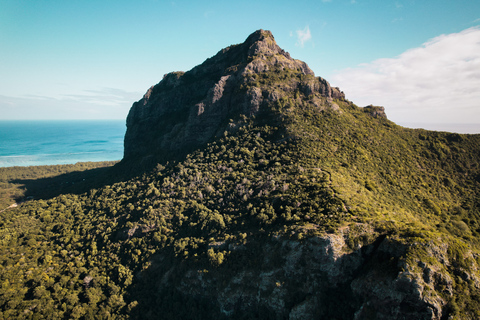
[
  {"x": 106, "y": 103},
  {"x": 105, "y": 96},
  {"x": 303, "y": 36},
  {"x": 436, "y": 83}
]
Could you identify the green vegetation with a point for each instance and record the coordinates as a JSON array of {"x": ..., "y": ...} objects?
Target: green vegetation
[
  {"x": 18, "y": 183},
  {"x": 295, "y": 170}
]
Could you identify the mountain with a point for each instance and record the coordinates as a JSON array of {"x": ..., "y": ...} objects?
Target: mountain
[
  {"x": 187, "y": 109},
  {"x": 261, "y": 193}
]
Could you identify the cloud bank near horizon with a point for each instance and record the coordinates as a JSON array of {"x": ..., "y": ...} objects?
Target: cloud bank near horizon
[
  {"x": 105, "y": 103},
  {"x": 437, "y": 81}
]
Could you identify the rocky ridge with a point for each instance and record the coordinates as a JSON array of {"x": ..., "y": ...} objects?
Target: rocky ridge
[{"x": 187, "y": 109}]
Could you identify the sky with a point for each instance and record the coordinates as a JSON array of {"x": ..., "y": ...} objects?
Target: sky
[{"x": 82, "y": 59}]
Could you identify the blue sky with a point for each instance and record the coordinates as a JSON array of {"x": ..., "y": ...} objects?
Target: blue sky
[{"x": 92, "y": 59}]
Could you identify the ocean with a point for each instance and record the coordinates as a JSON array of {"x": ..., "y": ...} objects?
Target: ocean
[{"x": 34, "y": 143}]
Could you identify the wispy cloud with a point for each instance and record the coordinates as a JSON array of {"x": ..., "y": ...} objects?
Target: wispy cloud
[
  {"x": 437, "y": 82},
  {"x": 105, "y": 103},
  {"x": 105, "y": 96},
  {"x": 303, "y": 36}
]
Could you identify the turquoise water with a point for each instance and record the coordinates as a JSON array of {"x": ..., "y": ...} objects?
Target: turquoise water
[{"x": 33, "y": 143}]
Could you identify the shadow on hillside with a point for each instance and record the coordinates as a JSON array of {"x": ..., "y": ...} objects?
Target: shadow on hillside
[
  {"x": 175, "y": 287},
  {"x": 76, "y": 182}
]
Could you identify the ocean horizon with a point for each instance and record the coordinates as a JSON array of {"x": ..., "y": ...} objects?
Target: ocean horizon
[{"x": 53, "y": 142}]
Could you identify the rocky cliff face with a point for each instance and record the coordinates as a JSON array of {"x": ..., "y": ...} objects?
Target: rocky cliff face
[
  {"x": 321, "y": 277},
  {"x": 185, "y": 110}
]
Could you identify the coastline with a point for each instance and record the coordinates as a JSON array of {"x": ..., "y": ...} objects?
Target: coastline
[{"x": 57, "y": 142}]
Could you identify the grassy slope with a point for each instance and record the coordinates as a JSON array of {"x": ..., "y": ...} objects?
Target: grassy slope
[{"x": 386, "y": 172}]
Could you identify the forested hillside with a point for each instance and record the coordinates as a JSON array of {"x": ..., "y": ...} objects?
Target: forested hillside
[{"x": 304, "y": 207}]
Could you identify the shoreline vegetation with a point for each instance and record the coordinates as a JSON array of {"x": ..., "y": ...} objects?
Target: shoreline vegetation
[{"x": 19, "y": 184}]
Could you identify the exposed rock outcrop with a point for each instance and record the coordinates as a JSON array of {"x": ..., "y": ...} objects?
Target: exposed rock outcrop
[
  {"x": 322, "y": 277},
  {"x": 375, "y": 111},
  {"x": 185, "y": 110}
]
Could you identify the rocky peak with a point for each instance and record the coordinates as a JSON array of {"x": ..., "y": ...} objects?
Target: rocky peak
[
  {"x": 375, "y": 111},
  {"x": 187, "y": 109},
  {"x": 261, "y": 42},
  {"x": 267, "y": 54}
]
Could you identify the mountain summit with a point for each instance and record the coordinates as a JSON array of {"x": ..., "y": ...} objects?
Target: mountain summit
[{"x": 187, "y": 109}]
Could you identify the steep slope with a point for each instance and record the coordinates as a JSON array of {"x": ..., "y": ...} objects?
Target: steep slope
[
  {"x": 185, "y": 110},
  {"x": 279, "y": 200}
]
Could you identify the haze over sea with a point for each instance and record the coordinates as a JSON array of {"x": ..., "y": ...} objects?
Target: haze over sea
[{"x": 34, "y": 143}]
